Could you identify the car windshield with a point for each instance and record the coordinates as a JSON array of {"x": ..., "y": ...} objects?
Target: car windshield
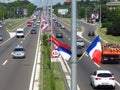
[
  {"x": 79, "y": 40},
  {"x": 33, "y": 30},
  {"x": 104, "y": 75},
  {"x": 19, "y": 31},
  {"x": 18, "y": 49}
]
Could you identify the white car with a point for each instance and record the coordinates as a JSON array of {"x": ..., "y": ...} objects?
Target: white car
[
  {"x": 20, "y": 33},
  {"x": 18, "y": 52},
  {"x": 102, "y": 79},
  {"x": 80, "y": 41}
]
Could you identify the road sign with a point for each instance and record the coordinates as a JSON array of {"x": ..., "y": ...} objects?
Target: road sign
[
  {"x": 79, "y": 23},
  {"x": 55, "y": 55}
]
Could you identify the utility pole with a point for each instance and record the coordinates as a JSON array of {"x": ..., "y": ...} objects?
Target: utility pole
[
  {"x": 100, "y": 24},
  {"x": 86, "y": 14},
  {"x": 73, "y": 44}
]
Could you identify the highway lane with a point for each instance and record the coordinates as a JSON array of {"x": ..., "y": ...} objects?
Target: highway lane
[
  {"x": 85, "y": 65},
  {"x": 15, "y": 74}
]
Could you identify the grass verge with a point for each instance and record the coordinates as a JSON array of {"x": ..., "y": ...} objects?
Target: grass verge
[
  {"x": 16, "y": 23},
  {"x": 108, "y": 38},
  {"x": 52, "y": 75},
  {"x": 68, "y": 20}
]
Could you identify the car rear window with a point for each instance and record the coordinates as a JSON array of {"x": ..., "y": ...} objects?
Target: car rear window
[
  {"x": 19, "y": 49},
  {"x": 104, "y": 75}
]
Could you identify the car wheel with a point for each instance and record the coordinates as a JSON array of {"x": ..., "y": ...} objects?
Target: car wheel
[
  {"x": 113, "y": 88},
  {"x": 13, "y": 57}
]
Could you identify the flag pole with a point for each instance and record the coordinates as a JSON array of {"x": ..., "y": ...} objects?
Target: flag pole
[
  {"x": 81, "y": 56},
  {"x": 73, "y": 45}
]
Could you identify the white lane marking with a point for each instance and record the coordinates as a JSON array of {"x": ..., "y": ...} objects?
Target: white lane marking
[
  {"x": 5, "y": 62},
  {"x": 117, "y": 83},
  {"x": 21, "y": 42}
]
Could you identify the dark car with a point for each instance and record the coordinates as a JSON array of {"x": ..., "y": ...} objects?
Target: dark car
[
  {"x": 58, "y": 25},
  {"x": 59, "y": 35},
  {"x": 79, "y": 50},
  {"x": 33, "y": 31},
  {"x": 1, "y": 38},
  {"x": 91, "y": 33}
]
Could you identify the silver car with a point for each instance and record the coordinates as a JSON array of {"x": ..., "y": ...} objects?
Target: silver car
[
  {"x": 80, "y": 41},
  {"x": 18, "y": 52},
  {"x": 1, "y": 38}
]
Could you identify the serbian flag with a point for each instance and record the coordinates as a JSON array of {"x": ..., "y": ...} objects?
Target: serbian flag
[
  {"x": 44, "y": 24},
  {"x": 65, "y": 53},
  {"x": 58, "y": 43},
  {"x": 95, "y": 50}
]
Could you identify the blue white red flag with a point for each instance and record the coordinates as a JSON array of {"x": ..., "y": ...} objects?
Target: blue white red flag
[
  {"x": 95, "y": 50},
  {"x": 65, "y": 53}
]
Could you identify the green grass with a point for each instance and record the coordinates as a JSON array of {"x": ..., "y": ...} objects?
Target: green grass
[
  {"x": 68, "y": 20},
  {"x": 16, "y": 23},
  {"x": 52, "y": 75},
  {"x": 108, "y": 38}
]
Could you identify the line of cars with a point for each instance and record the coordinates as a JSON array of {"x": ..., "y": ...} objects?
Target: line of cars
[
  {"x": 19, "y": 51},
  {"x": 103, "y": 79}
]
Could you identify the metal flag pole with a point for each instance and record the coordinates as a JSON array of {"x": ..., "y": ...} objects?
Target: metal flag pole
[{"x": 73, "y": 44}]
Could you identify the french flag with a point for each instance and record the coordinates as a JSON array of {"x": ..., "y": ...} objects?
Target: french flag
[
  {"x": 65, "y": 53},
  {"x": 95, "y": 50}
]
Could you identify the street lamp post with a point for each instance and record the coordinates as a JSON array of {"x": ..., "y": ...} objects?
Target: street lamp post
[{"x": 73, "y": 44}]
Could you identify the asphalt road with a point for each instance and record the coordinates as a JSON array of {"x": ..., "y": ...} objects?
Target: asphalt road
[
  {"x": 86, "y": 66},
  {"x": 15, "y": 74}
]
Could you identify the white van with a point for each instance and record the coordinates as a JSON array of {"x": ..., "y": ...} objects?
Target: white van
[{"x": 20, "y": 33}]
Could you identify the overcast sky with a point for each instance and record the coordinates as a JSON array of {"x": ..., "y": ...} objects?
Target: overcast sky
[{"x": 40, "y": 3}]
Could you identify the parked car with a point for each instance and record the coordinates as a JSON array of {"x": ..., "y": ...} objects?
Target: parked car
[
  {"x": 33, "y": 31},
  {"x": 79, "y": 50},
  {"x": 91, "y": 33},
  {"x": 59, "y": 35},
  {"x": 80, "y": 41},
  {"x": 102, "y": 79},
  {"x": 18, "y": 52},
  {"x": 1, "y": 37}
]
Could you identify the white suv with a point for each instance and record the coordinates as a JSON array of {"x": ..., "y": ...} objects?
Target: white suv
[
  {"x": 102, "y": 79},
  {"x": 20, "y": 33}
]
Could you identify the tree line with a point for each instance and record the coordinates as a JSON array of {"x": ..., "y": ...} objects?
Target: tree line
[{"x": 16, "y": 9}]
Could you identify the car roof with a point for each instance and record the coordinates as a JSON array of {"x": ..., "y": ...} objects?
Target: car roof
[
  {"x": 79, "y": 39},
  {"x": 103, "y": 71}
]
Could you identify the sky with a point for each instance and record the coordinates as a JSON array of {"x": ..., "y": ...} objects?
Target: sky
[
  {"x": 46, "y": 2},
  {"x": 40, "y": 3}
]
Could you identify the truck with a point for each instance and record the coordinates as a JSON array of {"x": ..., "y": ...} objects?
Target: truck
[
  {"x": 110, "y": 53},
  {"x": 29, "y": 23}
]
